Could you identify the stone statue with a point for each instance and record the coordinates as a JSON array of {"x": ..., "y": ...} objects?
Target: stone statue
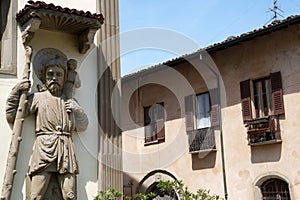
[
  {"x": 53, "y": 151},
  {"x": 73, "y": 80}
]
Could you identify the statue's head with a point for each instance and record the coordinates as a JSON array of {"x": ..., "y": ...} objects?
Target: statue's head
[
  {"x": 54, "y": 75},
  {"x": 50, "y": 66},
  {"x": 72, "y": 64}
]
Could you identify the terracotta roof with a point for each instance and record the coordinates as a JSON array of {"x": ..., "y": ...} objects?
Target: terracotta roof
[
  {"x": 42, "y": 5},
  {"x": 275, "y": 25},
  {"x": 229, "y": 42}
]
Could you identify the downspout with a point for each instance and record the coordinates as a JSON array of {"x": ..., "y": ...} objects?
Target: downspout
[{"x": 221, "y": 128}]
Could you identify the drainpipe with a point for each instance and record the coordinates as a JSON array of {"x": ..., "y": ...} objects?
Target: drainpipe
[{"x": 220, "y": 118}]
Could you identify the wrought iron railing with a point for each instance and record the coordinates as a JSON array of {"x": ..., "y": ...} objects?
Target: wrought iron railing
[
  {"x": 201, "y": 139},
  {"x": 263, "y": 129}
]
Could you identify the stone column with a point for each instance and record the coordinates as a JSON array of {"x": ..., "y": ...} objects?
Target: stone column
[{"x": 110, "y": 139}]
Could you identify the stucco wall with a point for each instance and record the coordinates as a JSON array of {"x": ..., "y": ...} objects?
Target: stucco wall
[
  {"x": 86, "y": 143},
  {"x": 246, "y": 166}
]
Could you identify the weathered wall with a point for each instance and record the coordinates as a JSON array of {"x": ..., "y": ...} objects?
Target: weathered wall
[
  {"x": 245, "y": 166},
  {"x": 86, "y": 143}
]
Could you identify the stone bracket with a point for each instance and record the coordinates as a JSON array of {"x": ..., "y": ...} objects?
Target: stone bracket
[
  {"x": 29, "y": 29},
  {"x": 86, "y": 39}
]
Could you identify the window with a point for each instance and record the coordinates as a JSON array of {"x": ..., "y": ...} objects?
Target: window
[
  {"x": 265, "y": 95},
  {"x": 8, "y": 37},
  {"x": 154, "y": 120},
  {"x": 202, "y": 111},
  {"x": 275, "y": 189},
  {"x": 268, "y": 97},
  {"x": 262, "y": 97},
  {"x": 200, "y": 117}
]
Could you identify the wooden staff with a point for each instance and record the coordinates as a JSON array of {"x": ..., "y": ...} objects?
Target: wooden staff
[{"x": 16, "y": 135}]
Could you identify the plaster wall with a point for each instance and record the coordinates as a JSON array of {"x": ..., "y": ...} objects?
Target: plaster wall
[
  {"x": 169, "y": 86},
  {"x": 86, "y": 143},
  {"x": 278, "y": 51},
  {"x": 246, "y": 166}
]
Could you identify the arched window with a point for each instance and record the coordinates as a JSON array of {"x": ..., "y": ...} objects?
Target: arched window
[{"x": 275, "y": 189}]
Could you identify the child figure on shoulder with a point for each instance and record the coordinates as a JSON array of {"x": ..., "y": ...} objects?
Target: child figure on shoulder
[{"x": 72, "y": 79}]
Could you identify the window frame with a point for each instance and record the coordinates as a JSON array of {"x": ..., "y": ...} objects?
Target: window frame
[
  {"x": 158, "y": 126},
  {"x": 202, "y": 139},
  {"x": 262, "y": 98},
  {"x": 8, "y": 58},
  {"x": 278, "y": 183},
  {"x": 248, "y": 102}
]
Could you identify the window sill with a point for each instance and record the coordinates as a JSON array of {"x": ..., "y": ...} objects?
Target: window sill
[
  {"x": 276, "y": 141},
  {"x": 154, "y": 142},
  {"x": 203, "y": 151}
]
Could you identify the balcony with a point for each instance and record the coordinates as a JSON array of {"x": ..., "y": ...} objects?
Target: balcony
[
  {"x": 265, "y": 130},
  {"x": 201, "y": 140}
]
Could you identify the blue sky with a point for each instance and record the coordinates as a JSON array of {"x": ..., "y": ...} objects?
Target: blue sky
[{"x": 158, "y": 30}]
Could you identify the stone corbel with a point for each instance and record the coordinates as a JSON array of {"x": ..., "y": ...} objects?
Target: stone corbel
[
  {"x": 29, "y": 29},
  {"x": 86, "y": 38}
]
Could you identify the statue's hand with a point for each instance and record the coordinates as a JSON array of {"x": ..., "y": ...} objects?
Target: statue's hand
[
  {"x": 71, "y": 105},
  {"x": 24, "y": 85}
]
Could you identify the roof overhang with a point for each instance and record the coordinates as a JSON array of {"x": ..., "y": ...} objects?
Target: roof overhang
[{"x": 39, "y": 15}]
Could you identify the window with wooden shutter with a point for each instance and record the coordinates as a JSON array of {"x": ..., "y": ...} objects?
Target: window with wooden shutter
[
  {"x": 189, "y": 112},
  {"x": 201, "y": 136},
  {"x": 268, "y": 104},
  {"x": 154, "y": 123},
  {"x": 246, "y": 100},
  {"x": 277, "y": 94}
]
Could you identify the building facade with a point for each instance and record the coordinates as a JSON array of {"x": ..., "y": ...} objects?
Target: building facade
[{"x": 224, "y": 118}]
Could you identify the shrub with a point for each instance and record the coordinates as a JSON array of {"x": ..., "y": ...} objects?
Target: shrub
[{"x": 174, "y": 189}]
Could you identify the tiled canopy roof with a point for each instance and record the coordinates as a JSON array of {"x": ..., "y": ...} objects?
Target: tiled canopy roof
[
  {"x": 42, "y": 5},
  {"x": 40, "y": 15}
]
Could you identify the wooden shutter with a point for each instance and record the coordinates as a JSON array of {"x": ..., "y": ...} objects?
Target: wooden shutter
[
  {"x": 189, "y": 112},
  {"x": 214, "y": 110},
  {"x": 147, "y": 124},
  {"x": 277, "y": 94},
  {"x": 160, "y": 122},
  {"x": 160, "y": 129},
  {"x": 246, "y": 100}
]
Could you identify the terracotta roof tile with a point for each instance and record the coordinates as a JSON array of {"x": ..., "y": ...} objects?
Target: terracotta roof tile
[
  {"x": 232, "y": 40},
  {"x": 51, "y": 6}
]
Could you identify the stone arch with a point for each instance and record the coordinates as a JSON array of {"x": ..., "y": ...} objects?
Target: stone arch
[
  {"x": 148, "y": 182},
  {"x": 259, "y": 181}
]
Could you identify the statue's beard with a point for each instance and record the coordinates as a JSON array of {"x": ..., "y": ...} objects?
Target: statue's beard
[{"x": 53, "y": 87}]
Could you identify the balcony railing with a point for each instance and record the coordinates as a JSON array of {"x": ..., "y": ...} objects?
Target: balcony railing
[
  {"x": 263, "y": 130},
  {"x": 201, "y": 140}
]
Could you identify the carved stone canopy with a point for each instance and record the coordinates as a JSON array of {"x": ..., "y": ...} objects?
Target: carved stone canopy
[{"x": 39, "y": 15}]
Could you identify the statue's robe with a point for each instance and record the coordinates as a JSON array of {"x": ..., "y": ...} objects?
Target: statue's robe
[{"x": 53, "y": 148}]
